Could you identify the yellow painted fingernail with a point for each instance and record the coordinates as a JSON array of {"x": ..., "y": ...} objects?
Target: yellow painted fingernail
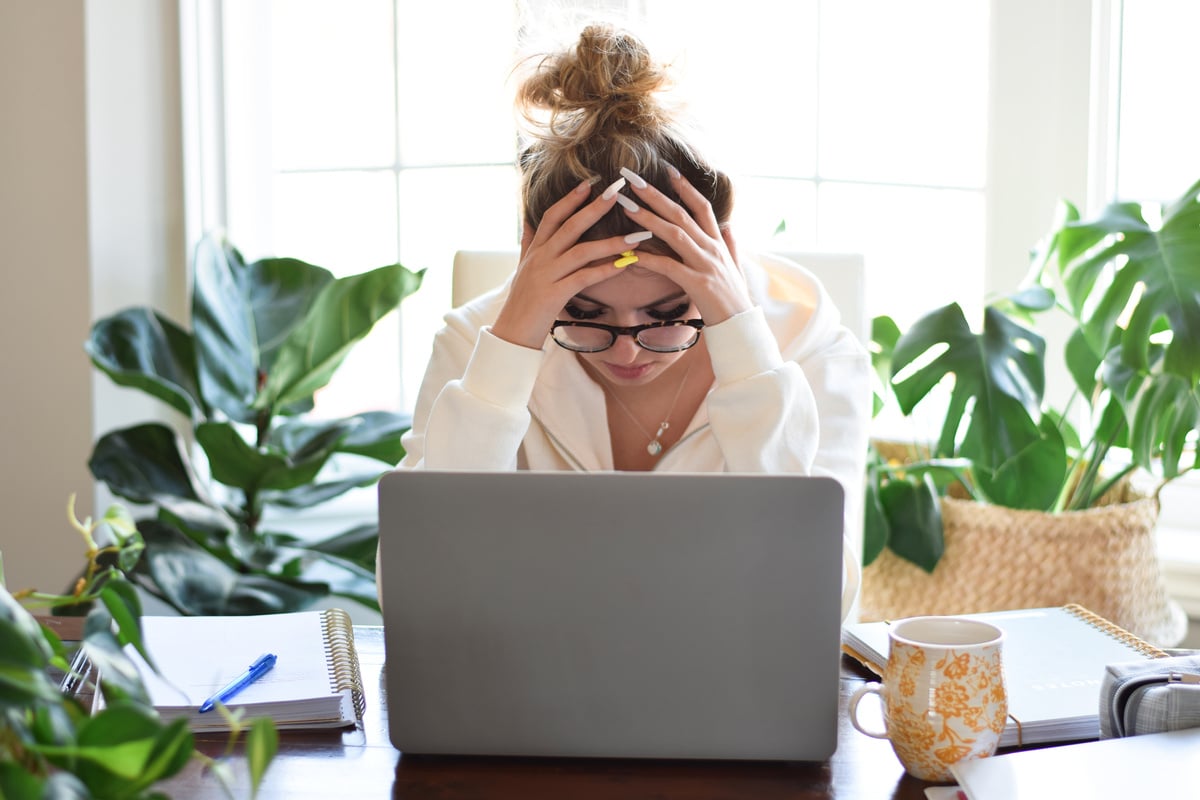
[{"x": 627, "y": 258}]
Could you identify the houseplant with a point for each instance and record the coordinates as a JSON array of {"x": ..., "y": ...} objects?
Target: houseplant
[
  {"x": 265, "y": 337},
  {"x": 1126, "y": 287},
  {"x": 50, "y": 745}
]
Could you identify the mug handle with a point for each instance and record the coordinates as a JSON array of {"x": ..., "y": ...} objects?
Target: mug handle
[{"x": 862, "y": 691}]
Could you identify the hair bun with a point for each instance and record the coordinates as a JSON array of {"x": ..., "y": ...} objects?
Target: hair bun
[{"x": 606, "y": 83}]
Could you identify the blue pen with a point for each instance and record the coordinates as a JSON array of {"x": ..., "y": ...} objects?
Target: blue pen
[{"x": 260, "y": 667}]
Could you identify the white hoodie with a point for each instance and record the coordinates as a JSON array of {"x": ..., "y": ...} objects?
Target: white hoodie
[{"x": 792, "y": 395}]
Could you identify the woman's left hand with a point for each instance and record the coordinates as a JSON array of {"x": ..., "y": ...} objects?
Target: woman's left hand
[{"x": 708, "y": 269}]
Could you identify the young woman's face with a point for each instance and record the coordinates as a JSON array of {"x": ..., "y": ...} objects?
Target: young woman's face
[{"x": 631, "y": 297}]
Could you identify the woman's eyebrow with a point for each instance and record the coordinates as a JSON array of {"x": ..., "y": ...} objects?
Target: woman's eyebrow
[
  {"x": 667, "y": 299},
  {"x": 658, "y": 302}
]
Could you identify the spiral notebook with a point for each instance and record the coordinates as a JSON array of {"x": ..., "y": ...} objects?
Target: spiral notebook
[
  {"x": 315, "y": 682},
  {"x": 1054, "y": 661}
]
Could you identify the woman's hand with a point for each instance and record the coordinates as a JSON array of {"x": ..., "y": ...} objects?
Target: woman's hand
[
  {"x": 554, "y": 265},
  {"x": 708, "y": 269}
]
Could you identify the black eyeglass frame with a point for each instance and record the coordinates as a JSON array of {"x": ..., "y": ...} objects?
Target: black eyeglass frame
[{"x": 634, "y": 330}]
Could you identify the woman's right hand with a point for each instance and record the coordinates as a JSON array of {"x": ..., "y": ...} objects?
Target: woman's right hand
[{"x": 554, "y": 265}]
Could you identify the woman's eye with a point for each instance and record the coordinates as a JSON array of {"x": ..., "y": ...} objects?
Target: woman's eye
[
  {"x": 669, "y": 313},
  {"x": 575, "y": 312}
]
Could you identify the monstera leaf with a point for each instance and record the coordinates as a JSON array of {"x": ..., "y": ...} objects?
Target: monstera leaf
[
  {"x": 1121, "y": 273},
  {"x": 998, "y": 375}
]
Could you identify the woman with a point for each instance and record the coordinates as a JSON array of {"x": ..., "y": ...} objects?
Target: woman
[{"x": 632, "y": 337}]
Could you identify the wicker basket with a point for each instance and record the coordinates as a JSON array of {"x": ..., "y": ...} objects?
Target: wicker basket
[{"x": 1103, "y": 558}]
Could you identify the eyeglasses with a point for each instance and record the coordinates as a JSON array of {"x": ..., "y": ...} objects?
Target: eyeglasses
[{"x": 658, "y": 337}]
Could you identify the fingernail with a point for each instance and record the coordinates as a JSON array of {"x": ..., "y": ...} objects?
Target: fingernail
[
  {"x": 674, "y": 172},
  {"x": 629, "y": 205},
  {"x": 634, "y": 178},
  {"x": 640, "y": 236},
  {"x": 627, "y": 258},
  {"x": 613, "y": 188}
]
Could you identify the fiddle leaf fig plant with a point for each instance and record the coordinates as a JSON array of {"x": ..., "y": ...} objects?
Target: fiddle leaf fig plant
[
  {"x": 1126, "y": 283},
  {"x": 51, "y": 745},
  {"x": 265, "y": 337}
]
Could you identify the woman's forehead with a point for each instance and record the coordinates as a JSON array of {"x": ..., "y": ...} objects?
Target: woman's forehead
[{"x": 633, "y": 287}]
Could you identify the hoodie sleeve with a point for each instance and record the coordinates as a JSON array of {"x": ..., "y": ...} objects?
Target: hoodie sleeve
[{"x": 472, "y": 410}]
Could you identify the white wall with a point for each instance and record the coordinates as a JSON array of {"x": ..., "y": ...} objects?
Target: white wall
[
  {"x": 45, "y": 427},
  {"x": 89, "y": 198}
]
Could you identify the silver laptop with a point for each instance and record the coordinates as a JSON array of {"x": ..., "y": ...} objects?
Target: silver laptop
[{"x": 611, "y": 614}]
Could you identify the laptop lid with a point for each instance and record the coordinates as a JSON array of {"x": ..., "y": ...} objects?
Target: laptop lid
[{"x": 611, "y": 614}]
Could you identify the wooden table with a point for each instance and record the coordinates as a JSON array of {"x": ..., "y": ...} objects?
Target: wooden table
[{"x": 361, "y": 763}]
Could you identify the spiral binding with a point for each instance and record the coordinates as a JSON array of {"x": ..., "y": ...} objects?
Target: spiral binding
[
  {"x": 1115, "y": 631},
  {"x": 342, "y": 657}
]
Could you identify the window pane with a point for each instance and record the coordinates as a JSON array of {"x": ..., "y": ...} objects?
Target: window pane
[
  {"x": 331, "y": 84},
  {"x": 1160, "y": 118},
  {"x": 904, "y": 91},
  {"x": 762, "y": 205},
  {"x": 455, "y": 105},
  {"x": 346, "y": 222},
  {"x": 343, "y": 221},
  {"x": 750, "y": 79},
  {"x": 442, "y": 211},
  {"x": 923, "y": 247}
]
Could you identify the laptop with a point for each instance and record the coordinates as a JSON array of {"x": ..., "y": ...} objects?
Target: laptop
[{"x": 618, "y": 615}]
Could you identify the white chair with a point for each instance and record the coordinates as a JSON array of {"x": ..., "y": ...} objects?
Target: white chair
[{"x": 843, "y": 275}]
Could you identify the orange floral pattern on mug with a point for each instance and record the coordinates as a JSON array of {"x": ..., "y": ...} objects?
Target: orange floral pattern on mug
[
  {"x": 958, "y": 704},
  {"x": 943, "y": 703}
]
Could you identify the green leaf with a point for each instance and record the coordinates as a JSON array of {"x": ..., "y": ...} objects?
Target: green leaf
[
  {"x": 357, "y": 545},
  {"x": 1004, "y": 362},
  {"x": 316, "y": 493},
  {"x": 17, "y": 783},
  {"x": 235, "y": 462},
  {"x": 342, "y": 314},
  {"x": 262, "y": 743},
  {"x": 377, "y": 436},
  {"x": 914, "y": 513},
  {"x": 1160, "y": 268},
  {"x": 142, "y": 349},
  {"x": 121, "y": 599},
  {"x": 171, "y": 752},
  {"x": 144, "y": 462},
  {"x": 119, "y": 678},
  {"x": 876, "y": 530},
  {"x": 1032, "y": 476},
  {"x": 196, "y": 582},
  {"x": 241, "y": 315}
]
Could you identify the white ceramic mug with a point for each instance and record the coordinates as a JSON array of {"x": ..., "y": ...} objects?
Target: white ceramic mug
[{"x": 943, "y": 694}]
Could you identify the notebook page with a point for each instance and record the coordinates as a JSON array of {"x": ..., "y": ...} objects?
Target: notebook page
[{"x": 197, "y": 656}]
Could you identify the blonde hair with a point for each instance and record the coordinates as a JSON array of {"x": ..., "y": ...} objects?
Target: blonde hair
[{"x": 598, "y": 106}]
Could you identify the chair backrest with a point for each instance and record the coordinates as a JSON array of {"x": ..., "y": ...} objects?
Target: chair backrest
[{"x": 843, "y": 275}]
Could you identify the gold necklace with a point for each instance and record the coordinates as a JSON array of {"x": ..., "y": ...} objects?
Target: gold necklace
[{"x": 655, "y": 446}]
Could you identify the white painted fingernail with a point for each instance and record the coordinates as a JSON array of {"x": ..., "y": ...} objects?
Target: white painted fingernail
[
  {"x": 634, "y": 178},
  {"x": 674, "y": 172},
  {"x": 640, "y": 236},
  {"x": 613, "y": 188},
  {"x": 629, "y": 205}
]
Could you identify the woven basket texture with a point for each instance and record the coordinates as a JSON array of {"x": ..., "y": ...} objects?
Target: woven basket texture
[{"x": 1103, "y": 558}]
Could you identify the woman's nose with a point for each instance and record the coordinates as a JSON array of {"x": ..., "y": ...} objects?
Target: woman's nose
[{"x": 625, "y": 350}]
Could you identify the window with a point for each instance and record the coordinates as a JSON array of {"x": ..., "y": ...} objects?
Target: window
[
  {"x": 1152, "y": 157},
  {"x": 357, "y": 135}
]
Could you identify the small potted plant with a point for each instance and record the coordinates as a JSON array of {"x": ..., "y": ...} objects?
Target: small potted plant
[{"x": 1015, "y": 503}]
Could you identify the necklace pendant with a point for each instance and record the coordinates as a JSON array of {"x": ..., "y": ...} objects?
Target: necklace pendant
[{"x": 654, "y": 448}]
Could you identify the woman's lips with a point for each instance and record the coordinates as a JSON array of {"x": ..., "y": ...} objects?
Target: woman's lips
[{"x": 628, "y": 373}]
